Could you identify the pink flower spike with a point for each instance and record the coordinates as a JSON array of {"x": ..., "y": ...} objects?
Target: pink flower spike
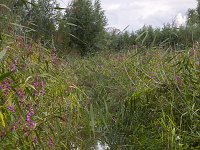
[
  {"x": 11, "y": 108},
  {"x": 50, "y": 142}
]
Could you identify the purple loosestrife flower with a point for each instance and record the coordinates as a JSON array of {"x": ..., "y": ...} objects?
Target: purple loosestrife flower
[
  {"x": 3, "y": 84},
  {"x": 21, "y": 94},
  {"x": 42, "y": 84},
  {"x": 6, "y": 86},
  {"x": 50, "y": 142},
  {"x": 31, "y": 124},
  {"x": 20, "y": 121},
  {"x": 9, "y": 81},
  {"x": 13, "y": 66},
  {"x": 25, "y": 129},
  {"x": 42, "y": 92},
  {"x": 35, "y": 141},
  {"x": 14, "y": 127},
  {"x": 36, "y": 84},
  {"x": 179, "y": 80},
  {"x": 24, "y": 67},
  {"x": 39, "y": 86},
  {"x": 11, "y": 108},
  {"x": 6, "y": 92},
  {"x": 16, "y": 124}
]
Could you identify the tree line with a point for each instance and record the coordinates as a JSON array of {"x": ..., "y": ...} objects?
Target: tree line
[{"x": 81, "y": 27}]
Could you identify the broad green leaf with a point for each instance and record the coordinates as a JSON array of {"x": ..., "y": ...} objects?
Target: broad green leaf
[{"x": 2, "y": 120}]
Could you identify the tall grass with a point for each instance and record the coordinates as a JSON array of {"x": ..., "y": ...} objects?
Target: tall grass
[
  {"x": 40, "y": 105},
  {"x": 145, "y": 101},
  {"x": 128, "y": 100}
]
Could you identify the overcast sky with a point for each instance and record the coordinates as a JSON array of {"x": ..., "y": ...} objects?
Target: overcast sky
[{"x": 136, "y": 13}]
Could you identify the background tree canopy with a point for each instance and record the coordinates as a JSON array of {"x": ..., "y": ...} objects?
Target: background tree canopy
[
  {"x": 88, "y": 24},
  {"x": 81, "y": 27}
]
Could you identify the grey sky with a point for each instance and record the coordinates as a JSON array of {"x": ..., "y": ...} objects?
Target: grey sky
[{"x": 136, "y": 13}]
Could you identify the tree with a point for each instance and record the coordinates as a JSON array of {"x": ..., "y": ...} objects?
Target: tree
[
  {"x": 5, "y": 16},
  {"x": 88, "y": 22},
  {"x": 62, "y": 37},
  {"x": 198, "y": 10},
  {"x": 192, "y": 17},
  {"x": 10, "y": 12},
  {"x": 42, "y": 18}
]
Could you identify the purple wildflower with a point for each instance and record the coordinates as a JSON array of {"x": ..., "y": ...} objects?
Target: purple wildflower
[
  {"x": 39, "y": 86},
  {"x": 50, "y": 142},
  {"x": 31, "y": 124},
  {"x": 15, "y": 126},
  {"x": 21, "y": 94},
  {"x": 42, "y": 84},
  {"x": 13, "y": 66},
  {"x": 5, "y": 86},
  {"x": 179, "y": 80},
  {"x": 36, "y": 84},
  {"x": 42, "y": 92},
  {"x": 8, "y": 87},
  {"x": 20, "y": 121},
  {"x": 9, "y": 81},
  {"x": 11, "y": 108},
  {"x": 6, "y": 92},
  {"x": 35, "y": 141},
  {"x": 25, "y": 129}
]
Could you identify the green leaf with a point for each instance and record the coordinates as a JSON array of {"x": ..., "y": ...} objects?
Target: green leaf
[
  {"x": 25, "y": 2},
  {"x": 71, "y": 24},
  {"x": 2, "y": 120},
  {"x": 3, "y": 53},
  {"x": 21, "y": 26},
  {"x": 59, "y": 8},
  {"x": 92, "y": 119},
  {"x": 5, "y": 75}
]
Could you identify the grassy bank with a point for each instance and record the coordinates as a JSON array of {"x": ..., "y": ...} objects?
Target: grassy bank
[{"x": 128, "y": 100}]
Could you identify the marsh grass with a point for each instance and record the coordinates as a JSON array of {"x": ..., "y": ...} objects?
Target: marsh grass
[
  {"x": 143, "y": 99},
  {"x": 128, "y": 100}
]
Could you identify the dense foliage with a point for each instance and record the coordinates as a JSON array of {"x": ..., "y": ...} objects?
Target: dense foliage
[
  {"x": 88, "y": 25},
  {"x": 80, "y": 27},
  {"x": 126, "y": 100},
  {"x": 141, "y": 91}
]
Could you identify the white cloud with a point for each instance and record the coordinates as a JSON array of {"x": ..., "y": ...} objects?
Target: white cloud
[
  {"x": 180, "y": 20},
  {"x": 113, "y": 7},
  {"x": 137, "y": 13}
]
